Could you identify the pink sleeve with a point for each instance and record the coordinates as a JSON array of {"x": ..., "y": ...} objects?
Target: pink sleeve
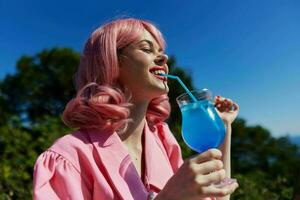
[
  {"x": 56, "y": 178},
  {"x": 171, "y": 145}
]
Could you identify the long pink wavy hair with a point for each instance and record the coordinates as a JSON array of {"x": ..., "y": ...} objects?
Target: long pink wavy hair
[{"x": 100, "y": 102}]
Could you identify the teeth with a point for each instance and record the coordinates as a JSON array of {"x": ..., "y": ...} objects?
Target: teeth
[{"x": 159, "y": 72}]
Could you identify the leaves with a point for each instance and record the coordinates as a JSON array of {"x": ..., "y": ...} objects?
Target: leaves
[{"x": 42, "y": 85}]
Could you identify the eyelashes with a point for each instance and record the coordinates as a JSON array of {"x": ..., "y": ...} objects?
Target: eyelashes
[
  {"x": 150, "y": 50},
  {"x": 147, "y": 50}
]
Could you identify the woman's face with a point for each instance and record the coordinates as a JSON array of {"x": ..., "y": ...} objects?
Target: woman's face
[{"x": 138, "y": 64}]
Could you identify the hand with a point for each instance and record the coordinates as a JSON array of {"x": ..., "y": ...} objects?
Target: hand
[
  {"x": 227, "y": 109},
  {"x": 195, "y": 179}
]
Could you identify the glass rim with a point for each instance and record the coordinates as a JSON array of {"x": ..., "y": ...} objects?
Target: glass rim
[{"x": 181, "y": 98}]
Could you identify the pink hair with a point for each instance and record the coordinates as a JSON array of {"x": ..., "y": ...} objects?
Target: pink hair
[{"x": 100, "y": 101}]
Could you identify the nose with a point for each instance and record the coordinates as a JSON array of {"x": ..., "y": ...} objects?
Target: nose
[{"x": 161, "y": 59}]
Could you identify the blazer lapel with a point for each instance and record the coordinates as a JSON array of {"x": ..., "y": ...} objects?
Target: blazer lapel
[
  {"x": 158, "y": 168},
  {"x": 111, "y": 153},
  {"x": 119, "y": 167}
]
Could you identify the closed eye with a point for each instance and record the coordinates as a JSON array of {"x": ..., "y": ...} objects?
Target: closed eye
[
  {"x": 147, "y": 50},
  {"x": 147, "y": 46}
]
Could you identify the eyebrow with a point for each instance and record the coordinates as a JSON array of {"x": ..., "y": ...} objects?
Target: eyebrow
[{"x": 150, "y": 44}]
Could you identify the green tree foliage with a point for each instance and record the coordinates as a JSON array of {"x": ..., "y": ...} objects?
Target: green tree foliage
[
  {"x": 266, "y": 167},
  {"x": 32, "y": 100},
  {"x": 19, "y": 148},
  {"x": 42, "y": 85}
]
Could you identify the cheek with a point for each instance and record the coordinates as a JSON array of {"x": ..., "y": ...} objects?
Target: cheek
[
  {"x": 142, "y": 61},
  {"x": 139, "y": 66},
  {"x": 131, "y": 74},
  {"x": 135, "y": 67}
]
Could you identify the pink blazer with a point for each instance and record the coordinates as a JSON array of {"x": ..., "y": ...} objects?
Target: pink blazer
[{"x": 94, "y": 165}]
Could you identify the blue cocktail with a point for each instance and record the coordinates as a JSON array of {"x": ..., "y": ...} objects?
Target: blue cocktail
[{"x": 202, "y": 128}]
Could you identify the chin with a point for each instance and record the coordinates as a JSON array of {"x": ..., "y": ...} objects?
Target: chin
[{"x": 154, "y": 90}]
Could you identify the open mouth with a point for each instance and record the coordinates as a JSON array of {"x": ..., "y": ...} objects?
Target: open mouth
[{"x": 156, "y": 73}]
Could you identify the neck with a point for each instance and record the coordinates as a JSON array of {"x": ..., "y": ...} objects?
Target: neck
[{"x": 132, "y": 137}]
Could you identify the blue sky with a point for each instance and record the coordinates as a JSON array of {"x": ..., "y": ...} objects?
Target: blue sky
[{"x": 245, "y": 50}]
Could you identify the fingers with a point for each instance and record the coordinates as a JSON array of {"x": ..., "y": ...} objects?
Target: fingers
[
  {"x": 211, "y": 178},
  {"x": 207, "y": 167},
  {"x": 219, "y": 192},
  {"x": 204, "y": 175},
  {"x": 225, "y": 104},
  {"x": 235, "y": 106},
  {"x": 207, "y": 155}
]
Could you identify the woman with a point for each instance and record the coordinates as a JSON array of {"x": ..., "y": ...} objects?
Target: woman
[{"x": 123, "y": 149}]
